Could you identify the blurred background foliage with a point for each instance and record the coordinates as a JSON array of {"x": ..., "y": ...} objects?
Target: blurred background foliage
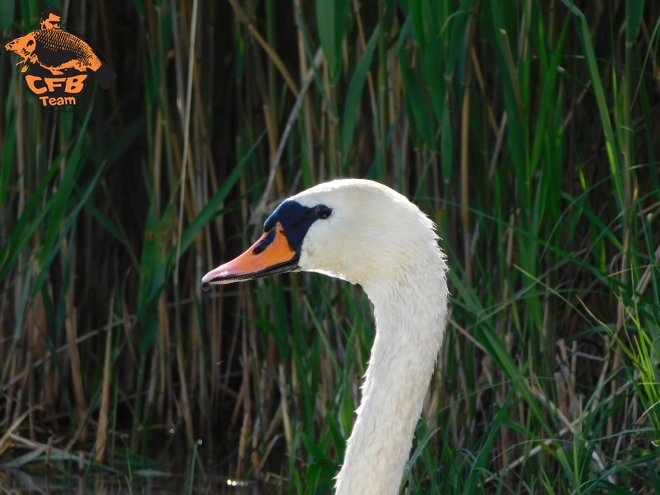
[{"x": 527, "y": 130}]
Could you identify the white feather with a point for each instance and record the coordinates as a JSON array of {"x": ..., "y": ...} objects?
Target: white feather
[{"x": 375, "y": 237}]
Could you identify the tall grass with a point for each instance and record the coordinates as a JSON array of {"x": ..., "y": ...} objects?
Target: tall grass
[{"x": 527, "y": 130}]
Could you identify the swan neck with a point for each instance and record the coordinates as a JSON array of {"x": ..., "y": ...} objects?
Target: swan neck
[{"x": 410, "y": 320}]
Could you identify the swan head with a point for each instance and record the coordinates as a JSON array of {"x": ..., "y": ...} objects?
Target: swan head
[{"x": 356, "y": 230}]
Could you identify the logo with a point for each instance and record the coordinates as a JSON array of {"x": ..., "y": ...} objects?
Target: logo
[{"x": 58, "y": 61}]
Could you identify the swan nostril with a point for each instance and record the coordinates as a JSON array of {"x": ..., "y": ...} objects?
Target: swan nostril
[{"x": 257, "y": 250}]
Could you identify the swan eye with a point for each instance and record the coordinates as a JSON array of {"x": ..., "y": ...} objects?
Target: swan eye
[{"x": 323, "y": 211}]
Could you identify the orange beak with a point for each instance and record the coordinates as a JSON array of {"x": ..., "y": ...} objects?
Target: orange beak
[{"x": 271, "y": 254}]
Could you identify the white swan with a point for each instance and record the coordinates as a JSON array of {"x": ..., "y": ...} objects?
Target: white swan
[{"x": 368, "y": 234}]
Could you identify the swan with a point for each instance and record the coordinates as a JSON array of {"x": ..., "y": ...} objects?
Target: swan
[{"x": 368, "y": 234}]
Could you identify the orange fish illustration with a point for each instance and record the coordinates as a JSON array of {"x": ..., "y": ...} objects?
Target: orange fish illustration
[{"x": 58, "y": 50}]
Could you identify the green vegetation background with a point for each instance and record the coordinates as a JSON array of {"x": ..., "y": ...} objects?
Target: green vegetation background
[{"x": 527, "y": 130}]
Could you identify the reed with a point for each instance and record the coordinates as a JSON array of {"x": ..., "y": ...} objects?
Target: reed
[{"x": 526, "y": 130}]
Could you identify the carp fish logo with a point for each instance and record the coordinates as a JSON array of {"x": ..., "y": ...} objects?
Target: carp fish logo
[{"x": 58, "y": 62}]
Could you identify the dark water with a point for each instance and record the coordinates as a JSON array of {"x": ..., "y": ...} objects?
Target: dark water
[{"x": 50, "y": 482}]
